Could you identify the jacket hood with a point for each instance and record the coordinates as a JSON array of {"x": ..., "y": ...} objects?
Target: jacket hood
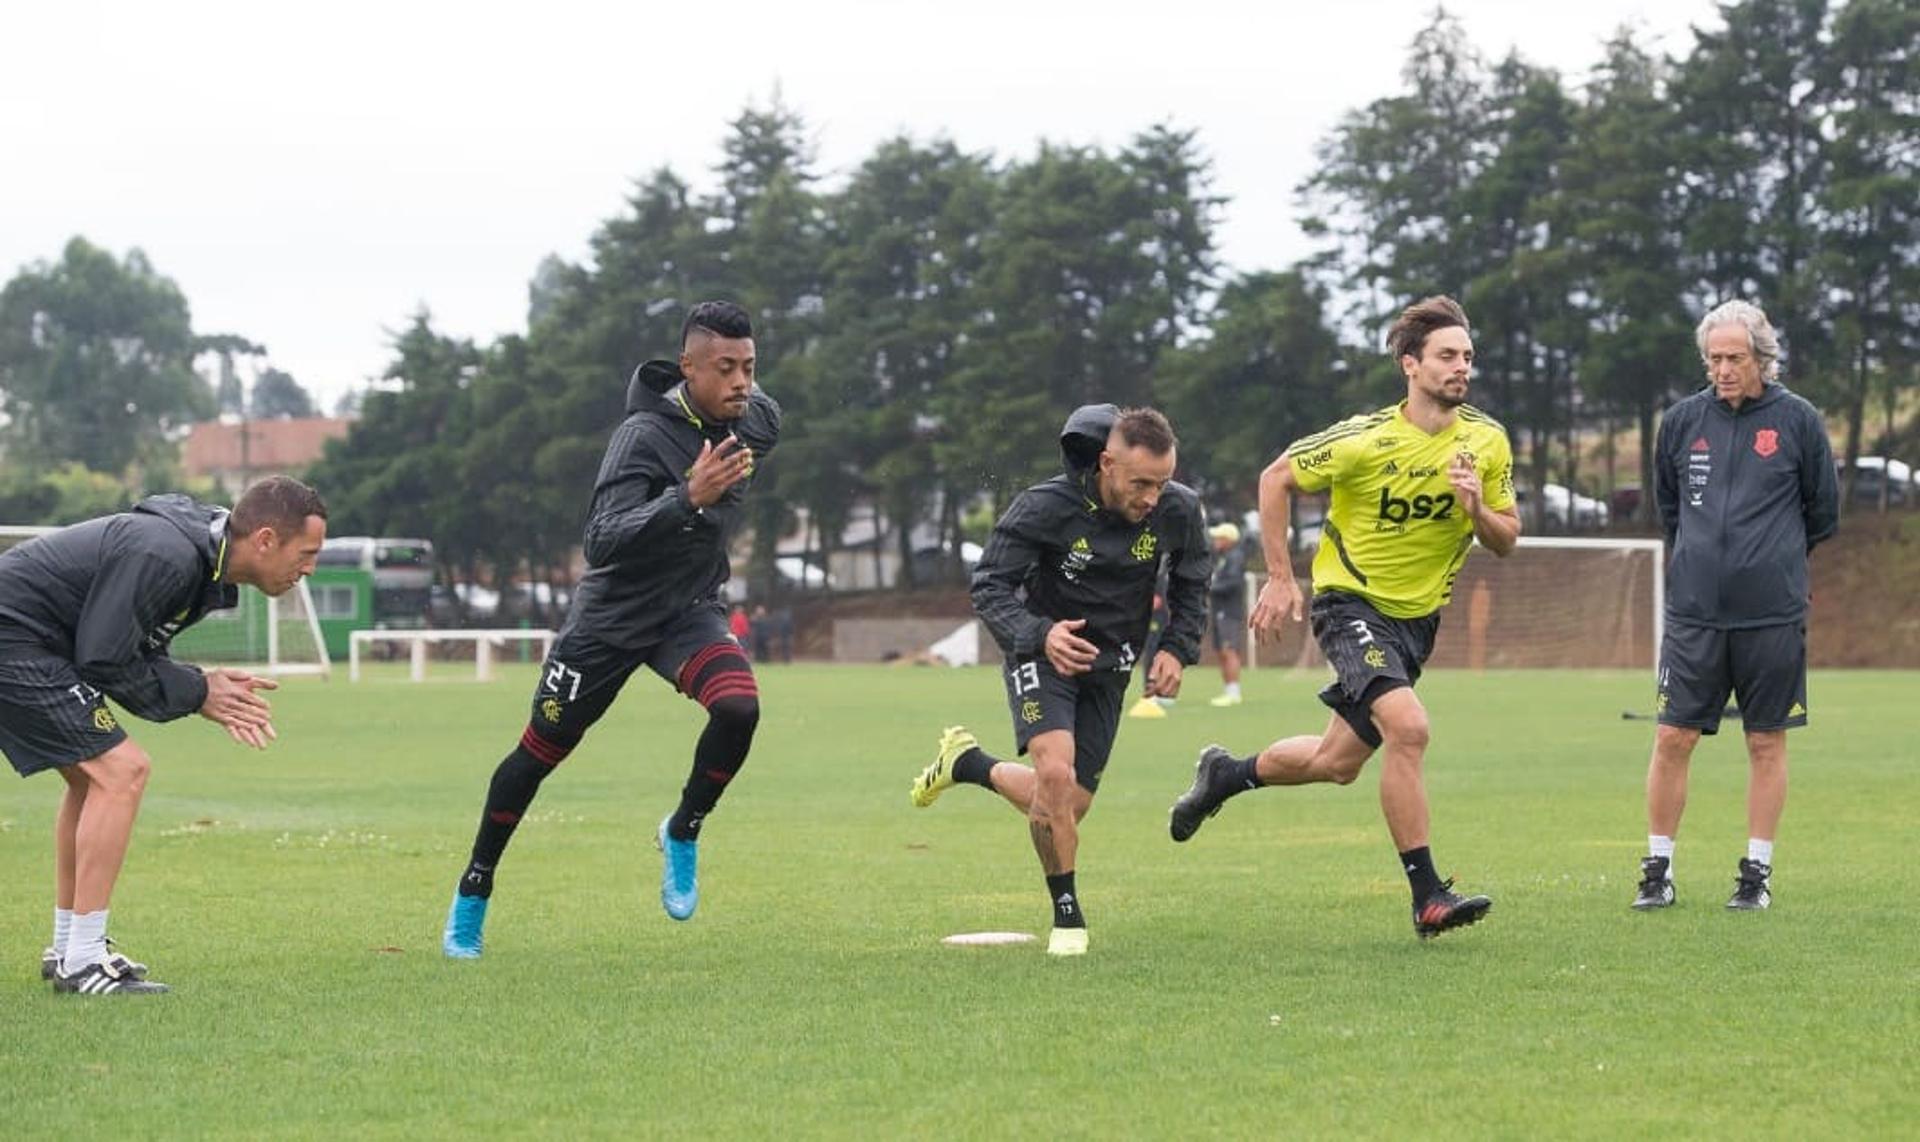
[
  {"x": 1084, "y": 436},
  {"x": 647, "y": 391},
  {"x": 660, "y": 387},
  {"x": 204, "y": 526}
]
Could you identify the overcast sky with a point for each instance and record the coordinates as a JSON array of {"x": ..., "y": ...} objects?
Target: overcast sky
[{"x": 312, "y": 175}]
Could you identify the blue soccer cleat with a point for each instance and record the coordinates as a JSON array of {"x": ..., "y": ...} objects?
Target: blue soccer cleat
[
  {"x": 461, "y": 940},
  {"x": 679, "y": 879}
]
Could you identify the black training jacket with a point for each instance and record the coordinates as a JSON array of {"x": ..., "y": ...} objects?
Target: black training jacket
[
  {"x": 1743, "y": 497},
  {"x": 650, "y": 554},
  {"x": 109, "y": 594},
  {"x": 1057, "y": 554}
]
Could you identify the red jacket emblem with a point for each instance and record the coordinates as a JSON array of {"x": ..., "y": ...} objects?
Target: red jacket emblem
[{"x": 1766, "y": 441}]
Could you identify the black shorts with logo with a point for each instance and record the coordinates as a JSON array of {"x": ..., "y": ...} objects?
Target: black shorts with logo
[
  {"x": 1370, "y": 653},
  {"x": 1763, "y": 668},
  {"x": 49, "y": 718},
  {"x": 1085, "y": 705},
  {"x": 583, "y": 675}
]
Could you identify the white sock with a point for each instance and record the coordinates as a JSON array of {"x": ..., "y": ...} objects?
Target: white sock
[
  {"x": 1759, "y": 851},
  {"x": 62, "y": 929},
  {"x": 87, "y": 943},
  {"x": 1233, "y": 690},
  {"x": 1661, "y": 847}
]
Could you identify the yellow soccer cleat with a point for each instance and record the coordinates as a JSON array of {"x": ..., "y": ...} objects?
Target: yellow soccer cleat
[
  {"x": 937, "y": 778},
  {"x": 1224, "y": 700},
  {"x": 1067, "y": 942}
]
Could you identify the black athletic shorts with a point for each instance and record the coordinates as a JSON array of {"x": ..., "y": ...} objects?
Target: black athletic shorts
[
  {"x": 1230, "y": 628},
  {"x": 583, "y": 675},
  {"x": 49, "y": 718},
  {"x": 1085, "y": 705},
  {"x": 1763, "y": 668},
  {"x": 1370, "y": 653}
]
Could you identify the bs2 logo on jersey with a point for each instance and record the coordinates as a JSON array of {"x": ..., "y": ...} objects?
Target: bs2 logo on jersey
[{"x": 1393, "y": 509}]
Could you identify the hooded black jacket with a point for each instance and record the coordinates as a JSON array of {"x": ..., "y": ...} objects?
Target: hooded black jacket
[
  {"x": 1743, "y": 497},
  {"x": 1057, "y": 554},
  {"x": 650, "y": 554},
  {"x": 108, "y": 595}
]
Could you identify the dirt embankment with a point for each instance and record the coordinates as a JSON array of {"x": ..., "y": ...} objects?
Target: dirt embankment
[
  {"x": 1866, "y": 599},
  {"x": 1866, "y": 593}
]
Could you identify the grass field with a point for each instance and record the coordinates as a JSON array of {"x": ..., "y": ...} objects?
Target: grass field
[{"x": 1261, "y": 981}]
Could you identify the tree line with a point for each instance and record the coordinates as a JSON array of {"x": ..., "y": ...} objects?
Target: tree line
[{"x": 928, "y": 321}]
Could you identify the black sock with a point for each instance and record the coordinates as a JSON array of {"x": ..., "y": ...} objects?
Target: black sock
[
  {"x": 1239, "y": 775},
  {"x": 721, "y": 752},
  {"x": 515, "y": 781},
  {"x": 975, "y": 767},
  {"x": 1418, "y": 864},
  {"x": 1066, "y": 902}
]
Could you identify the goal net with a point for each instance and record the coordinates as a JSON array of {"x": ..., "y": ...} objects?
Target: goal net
[
  {"x": 1571, "y": 603},
  {"x": 272, "y": 636}
]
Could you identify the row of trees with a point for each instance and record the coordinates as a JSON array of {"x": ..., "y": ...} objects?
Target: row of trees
[
  {"x": 98, "y": 380},
  {"x": 929, "y": 321}
]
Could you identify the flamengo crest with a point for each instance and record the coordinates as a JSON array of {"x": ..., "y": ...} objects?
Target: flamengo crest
[{"x": 1766, "y": 441}]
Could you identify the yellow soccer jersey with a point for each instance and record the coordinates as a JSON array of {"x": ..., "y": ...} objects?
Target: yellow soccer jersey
[{"x": 1394, "y": 534}]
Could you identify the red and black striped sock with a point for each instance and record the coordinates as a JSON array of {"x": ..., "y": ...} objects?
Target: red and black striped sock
[
  {"x": 719, "y": 678},
  {"x": 515, "y": 782}
]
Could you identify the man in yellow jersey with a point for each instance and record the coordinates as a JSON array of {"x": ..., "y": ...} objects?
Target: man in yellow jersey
[{"x": 1413, "y": 485}]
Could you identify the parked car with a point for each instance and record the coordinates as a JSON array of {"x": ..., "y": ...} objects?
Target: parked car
[
  {"x": 1564, "y": 508},
  {"x": 1871, "y": 472}
]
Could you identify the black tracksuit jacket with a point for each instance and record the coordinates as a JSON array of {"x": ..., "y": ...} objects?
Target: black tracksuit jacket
[
  {"x": 650, "y": 554},
  {"x": 108, "y": 595},
  {"x": 1056, "y": 554},
  {"x": 1744, "y": 496}
]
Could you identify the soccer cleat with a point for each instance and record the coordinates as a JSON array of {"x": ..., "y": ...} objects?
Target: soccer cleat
[
  {"x": 679, "y": 879},
  {"x": 1444, "y": 910},
  {"x": 1751, "y": 892},
  {"x": 50, "y": 963},
  {"x": 1224, "y": 700},
  {"x": 465, "y": 919},
  {"x": 1656, "y": 887},
  {"x": 104, "y": 978},
  {"x": 1204, "y": 797},
  {"x": 937, "y": 777},
  {"x": 1067, "y": 942}
]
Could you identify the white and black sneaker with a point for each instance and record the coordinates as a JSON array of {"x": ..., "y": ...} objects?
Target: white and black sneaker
[
  {"x": 50, "y": 963},
  {"x": 1752, "y": 891},
  {"x": 1656, "y": 884},
  {"x": 105, "y": 978}
]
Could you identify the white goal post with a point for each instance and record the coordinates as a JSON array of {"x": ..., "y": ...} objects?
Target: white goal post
[
  {"x": 483, "y": 643},
  {"x": 263, "y": 634},
  {"x": 1558, "y": 601}
]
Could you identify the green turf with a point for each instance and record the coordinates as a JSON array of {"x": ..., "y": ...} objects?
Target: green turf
[{"x": 1260, "y": 981}]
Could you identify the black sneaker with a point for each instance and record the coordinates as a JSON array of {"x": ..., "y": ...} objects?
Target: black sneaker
[
  {"x": 1444, "y": 910},
  {"x": 1751, "y": 892},
  {"x": 104, "y": 978},
  {"x": 1204, "y": 797},
  {"x": 50, "y": 963},
  {"x": 1656, "y": 887}
]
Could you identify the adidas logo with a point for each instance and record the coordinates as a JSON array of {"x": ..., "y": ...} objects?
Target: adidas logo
[
  {"x": 1081, "y": 544},
  {"x": 1390, "y": 469},
  {"x": 1699, "y": 445},
  {"x": 1797, "y": 711}
]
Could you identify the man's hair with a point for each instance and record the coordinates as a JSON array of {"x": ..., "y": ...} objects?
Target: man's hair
[
  {"x": 720, "y": 318},
  {"x": 1762, "y": 337},
  {"x": 279, "y": 502},
  {"x": 1145, "y": 428},
  {"x": 1408, "y": 336}
]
